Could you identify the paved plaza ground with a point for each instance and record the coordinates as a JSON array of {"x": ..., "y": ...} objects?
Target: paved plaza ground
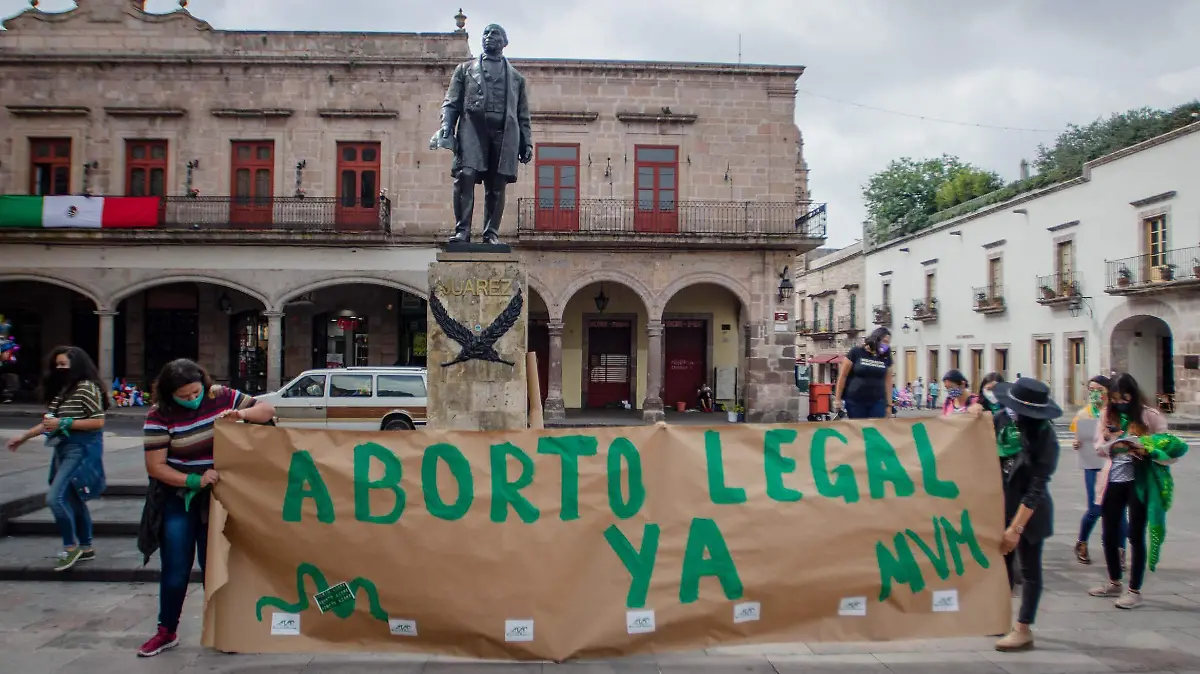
[{"x": 60, "y": 627}]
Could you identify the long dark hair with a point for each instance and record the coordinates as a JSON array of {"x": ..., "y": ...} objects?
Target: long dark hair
[
  {"x": 1125, "y": 384},
  {"x": 992, "y": 377},
  {"x": 873, "y": 340},
  {"x": 174, "y": 376},
  {"x": 56, "y": 384}
]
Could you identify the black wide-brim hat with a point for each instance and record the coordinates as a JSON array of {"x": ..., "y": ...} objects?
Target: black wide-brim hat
[{"x": 1028, "y": 398}]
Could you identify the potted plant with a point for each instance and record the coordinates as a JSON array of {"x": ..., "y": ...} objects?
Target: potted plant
[
  {"x": 997, "y": 302},
  {"x": 1196, "y": 267},
  {"x": 1168, "y": 272},
  {"x": 741, "y": 412},
  {"x": 731, "y": 413},
  {"x": 981, "y": 300},
  {"x": 1124, "y": 276},
  {"x": 1047, "y": 293}
]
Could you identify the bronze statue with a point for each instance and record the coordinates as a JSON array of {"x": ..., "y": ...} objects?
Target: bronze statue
[{"x": 485, "y": 121}]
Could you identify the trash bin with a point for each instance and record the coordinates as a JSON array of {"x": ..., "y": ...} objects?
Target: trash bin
[{"x": 820, "y": 397}]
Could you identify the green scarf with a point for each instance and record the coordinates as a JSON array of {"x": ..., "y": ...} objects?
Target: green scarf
[
  {"x": 1156, "y": 488},
  {"x": 1009, "y": 441}
]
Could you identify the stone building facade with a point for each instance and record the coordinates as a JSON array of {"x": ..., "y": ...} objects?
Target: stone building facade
[
  {"x": 301, "y": 206},
  {"x": 831, "y": 315}
]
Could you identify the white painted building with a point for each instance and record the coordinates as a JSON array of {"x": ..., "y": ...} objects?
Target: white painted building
[{"x": 1094, "y": 274}]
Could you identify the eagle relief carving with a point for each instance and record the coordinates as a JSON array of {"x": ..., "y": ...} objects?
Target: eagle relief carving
[{"x": 480, "y": 343}]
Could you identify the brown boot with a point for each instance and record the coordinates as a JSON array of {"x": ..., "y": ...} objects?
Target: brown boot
[
  {"x": 1017, "y": 640},
  {"x": 1081, "y": 553}
]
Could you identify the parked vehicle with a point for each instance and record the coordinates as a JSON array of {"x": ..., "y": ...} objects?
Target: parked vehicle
[{"x": 353, "y": 399}]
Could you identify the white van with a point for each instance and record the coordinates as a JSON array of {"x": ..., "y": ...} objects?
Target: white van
[{"x": 353, "y": 399}]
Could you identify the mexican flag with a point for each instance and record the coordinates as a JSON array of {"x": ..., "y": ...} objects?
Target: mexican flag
[{"x": 79, "y": 212}]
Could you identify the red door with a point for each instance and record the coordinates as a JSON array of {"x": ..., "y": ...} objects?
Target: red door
[
  {"x": 253, "y": 182},
  {"x": 358, "y": 187},
  {"x": 539, "y": 343},
  {"x": 558, "y": 188},
  {"x": 610, "y": 372},
  {"x": 686, "y": 346},
  {"x": 656, "y": 207}
]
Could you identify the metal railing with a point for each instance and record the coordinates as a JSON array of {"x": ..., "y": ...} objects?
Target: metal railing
[
  {"x": 925, "y": 309},
  {"x": 1181, "y": 264},
  {"x": 310, "y": 214},
  {"x": 848, "y": 324},
  {"x": 989, "y": 297},
  {"x": 1058, "y": 286},
  {"x": 633, "y": 218},
  {"x": 882, "y": 313}
]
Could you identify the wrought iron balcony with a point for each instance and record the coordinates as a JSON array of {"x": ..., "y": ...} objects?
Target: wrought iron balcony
[
  {"x": 848, "y": 324},
  {"x": 302, "y": 214},
  {"x": 1159, "y": 272},
  {"x": 925, "y": 310},
  {"x": 1058, "y": 288},
  {"x": 989, "y": 299},
  {"x": 723, "y": 223},
  {"x": 882, "y": 315}
]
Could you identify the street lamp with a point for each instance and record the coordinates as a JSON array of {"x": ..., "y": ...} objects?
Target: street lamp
[
  {"x": 904, "y": 328},
  {"x": 601, "y": 300},
  {"x": 785, "y": 286}
]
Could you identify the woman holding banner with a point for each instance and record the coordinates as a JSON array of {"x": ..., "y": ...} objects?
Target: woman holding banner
[
  {"x": 1031, "y": 444},
  {"x": 179, "y": 460}
]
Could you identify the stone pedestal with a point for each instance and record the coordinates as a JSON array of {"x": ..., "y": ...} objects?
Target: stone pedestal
[{"x": 476, "y": 289}]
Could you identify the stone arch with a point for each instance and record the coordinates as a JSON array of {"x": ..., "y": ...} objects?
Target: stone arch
[
  {"x": 1141, "y": 308},
  {"x": 62, "y": 283},
  {"x": 679, "y": 284},
  {"x": 130, "y": 290},
  {"x": 536, "y": 285},
  {"x": 292, "y": 294},
  {"x": 599, "y": 276}
]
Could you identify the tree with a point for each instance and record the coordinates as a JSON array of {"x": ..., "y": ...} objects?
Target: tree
[
  {"x": 901, "y": 198},
  {"x": 1080, "y": 144}
]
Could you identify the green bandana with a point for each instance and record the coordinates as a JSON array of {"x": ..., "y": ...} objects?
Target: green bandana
[
  {"x": 1009, "y": 441},
  {"x": 1156, "y": 488}
]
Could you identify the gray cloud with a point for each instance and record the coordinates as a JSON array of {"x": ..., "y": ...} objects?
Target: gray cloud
[{"x": 1021, "y": 63}]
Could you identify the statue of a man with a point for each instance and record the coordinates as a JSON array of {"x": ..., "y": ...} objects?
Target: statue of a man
[{"x": 485, "y": 120}]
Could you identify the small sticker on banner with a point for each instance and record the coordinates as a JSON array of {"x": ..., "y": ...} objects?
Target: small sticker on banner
[
  {"x": 285, "y": 624},
  {"x": 639, "y": 622},
  {"x": 747, "y": 611},
  {"x": 853, "y": 606},
  {"x": 402, "y": 628},
  {"x": 339, "y": 594},
  {"x": 518, "y": 630},
  {"x": 945, "y": 601}
]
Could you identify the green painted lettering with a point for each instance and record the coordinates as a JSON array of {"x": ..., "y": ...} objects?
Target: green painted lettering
[
  {"x": 967, "y": 537},
  {"x": 939, "y": 560},
  {"x": 569, "y": 448},
  {"x": 505, "y": 493},
  {"x": 776, "y": 465},
  {"x": 639, "y": 563},
  {"x": 718, "y": 491},
  {"x": 934, "y": 486},
  {"x": 844, "y": 485},
  {"x": 460, "y": 468},
  {"x": 305, "y": 481},
  {"x": 622, "y": 450},
  {"x": 884, "y": 466},
  {"x": 705, "y": 536},
  {"x": 364, "y": 485},
  {"x": 900, "y": 567}
]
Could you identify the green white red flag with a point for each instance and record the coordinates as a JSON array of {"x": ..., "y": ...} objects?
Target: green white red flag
[{"x": 79, "y": 212}]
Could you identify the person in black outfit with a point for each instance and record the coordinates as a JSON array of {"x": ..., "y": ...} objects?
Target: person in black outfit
[
  {"x": 865, "y": 378},
  {"x": 1029, "y": 455}
]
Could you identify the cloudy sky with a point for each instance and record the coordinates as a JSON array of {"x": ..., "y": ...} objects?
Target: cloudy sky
[{"x": 1029, "y": 64}]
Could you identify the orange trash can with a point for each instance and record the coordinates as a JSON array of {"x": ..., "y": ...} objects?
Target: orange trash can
[{"x": 820, "y": 398}]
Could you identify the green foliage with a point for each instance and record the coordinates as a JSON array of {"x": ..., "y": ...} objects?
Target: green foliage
[
  {"x": 901, "y": 198},
  {"x": 966, "y": 186}
]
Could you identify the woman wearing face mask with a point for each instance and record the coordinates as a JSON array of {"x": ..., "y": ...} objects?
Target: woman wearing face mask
[
  {"x": 1030, "y": 446},
  {"x": 179, "y": 460},
  {"x": 74, "y": 425},
  {"x": 959, "y": 399},
  {"x": 1084, "y": 427},
  {"x": 1134, "y": 437},
  {"x": 865, "y": 378}
]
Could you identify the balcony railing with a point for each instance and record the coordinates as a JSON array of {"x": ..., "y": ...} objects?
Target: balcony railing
[
  {"x": 304, "y": 214},
  {"x": 925, "y": 310},
  {"x": 882, "y": 315},
  {"x": 848, "y": 324},
  {"x": 804, "y": 327},
  {"x": 989, "y": 299},
  {"x": 1058, "y": 288},
  {"x": 633, "y": 219},
  {"x": 1153, "y": 273}
]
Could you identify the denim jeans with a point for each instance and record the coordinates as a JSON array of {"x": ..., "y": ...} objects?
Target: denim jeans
[
  {"x": 1093, "y": 512},
  {"x": 183, "y": 537},
  {"x": 858, "y": 410},
  {"x": 70, "y": 512},
  {"x": 1029, "y": 556}
]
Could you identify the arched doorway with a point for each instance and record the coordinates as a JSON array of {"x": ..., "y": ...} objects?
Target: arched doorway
[
  {"x": 1144, "y": 347},
  {"x": 43, "y": 315},
  {"x": 539, "y": 338},
  {"x": 604, "y": 347},
  {"x": 702, "y": 344}
]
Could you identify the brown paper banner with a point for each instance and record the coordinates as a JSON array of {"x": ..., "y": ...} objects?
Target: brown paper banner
[{"x": 558, "y": 544}]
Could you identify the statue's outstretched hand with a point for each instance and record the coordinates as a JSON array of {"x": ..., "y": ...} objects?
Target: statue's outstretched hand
[{"x": 526, "y": 154}]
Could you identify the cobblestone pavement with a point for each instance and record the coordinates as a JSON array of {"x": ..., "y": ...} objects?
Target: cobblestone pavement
[{"x": 96, "y": 627}]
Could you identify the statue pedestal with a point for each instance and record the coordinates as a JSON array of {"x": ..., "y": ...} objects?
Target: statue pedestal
[{"x": 477, "y": 291}]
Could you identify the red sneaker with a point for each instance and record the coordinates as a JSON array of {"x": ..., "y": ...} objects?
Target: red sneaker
[{"x": 158, "y": 643}]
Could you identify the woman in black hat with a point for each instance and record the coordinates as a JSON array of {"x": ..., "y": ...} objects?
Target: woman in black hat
[{"x": 1031, "y": 446}]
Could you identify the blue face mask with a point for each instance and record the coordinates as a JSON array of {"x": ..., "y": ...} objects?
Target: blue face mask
[
  {"x": 954, "y": 392},
  {"x": 193, "y": 404}
]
